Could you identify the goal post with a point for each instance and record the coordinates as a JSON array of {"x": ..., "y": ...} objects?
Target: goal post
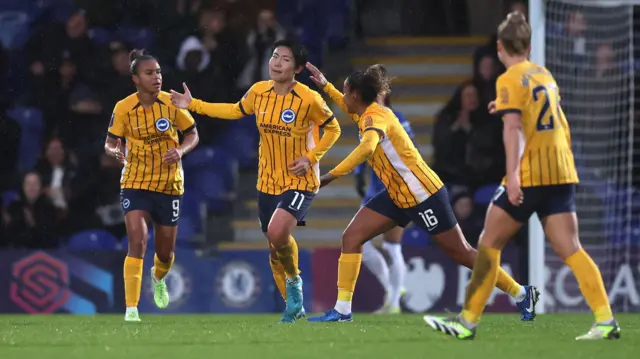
[
  {"x": 536, "y": 234},
  {"x": 588, "y": 45}
]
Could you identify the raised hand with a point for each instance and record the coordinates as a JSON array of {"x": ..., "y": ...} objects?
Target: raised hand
[
  {"x": 316, "y": 76},
  {"x": 181, "y": 100}
]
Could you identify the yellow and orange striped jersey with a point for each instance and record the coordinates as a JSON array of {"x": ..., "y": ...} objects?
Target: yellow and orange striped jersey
[
  {"x": 289, "y": 127},
  {"x": 531, "y": 91},
  {"x": 149, "y": 133},
  {"x": 396, "y": 160}
]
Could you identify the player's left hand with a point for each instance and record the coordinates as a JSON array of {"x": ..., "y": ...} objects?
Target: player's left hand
[
  {"x": 300, "y": 166},
  {"x": 492, "y": 107},
  {"x": 516, "y": 197},
  {"x": 326, "y": 178},
  {"x": 174, "y": 155}
]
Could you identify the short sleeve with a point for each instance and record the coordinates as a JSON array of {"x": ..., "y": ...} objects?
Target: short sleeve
[
  {"x": 184, "y": 121},
  {"x": 373, "y": 122},
  {"x": 246, "y": 102},
  {"x": 320, "y": 113},
  {"x": 117, "y": 126},
  {"x": 511, "y": 96}
]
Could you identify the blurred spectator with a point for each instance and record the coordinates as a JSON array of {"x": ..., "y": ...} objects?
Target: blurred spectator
[
  {"x": 173, "y": 20},
  {"x": 102, "y": 13},
  {"x": 194, "y": 67},
  {"x": 259, "y": 48},
  {"x": 32, "y": 220},
  {"x": 48, "y": 45},
  {"x": 95, "y": 201},
  {"x": 451, "y": 133},
  {"x": 470, "y": 218},
  {"x": 485, "y": 73},
  {"x": 491, "y": 47},
  {"x": 467, "y": 141},
  {"x": 9, "y": 146},
  {"x": 56, "y": 171},
  {"x": 120, "y": 84},
  {"x": 222, "y": 47}
]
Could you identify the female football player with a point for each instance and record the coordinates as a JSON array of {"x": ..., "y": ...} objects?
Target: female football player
[
  {"x": 391, "y": 277},
  {"x": 288, "y": 115},
  {"x": 414, "y": 193},
  {"x": 541, "y": 177},
  {"x": 143, "y": 136}
]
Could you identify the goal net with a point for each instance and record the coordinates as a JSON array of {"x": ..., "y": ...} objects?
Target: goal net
[{"x": 589, "y": 48}]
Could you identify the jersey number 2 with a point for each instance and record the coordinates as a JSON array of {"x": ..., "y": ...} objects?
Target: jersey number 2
[{"x": 540, "y": 124}]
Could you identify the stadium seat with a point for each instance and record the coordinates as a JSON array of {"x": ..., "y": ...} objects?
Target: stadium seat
[
  {"x": 199, "y": 158},
  {"x": 32, "y": 129},
  {"x": 484, "y": 195},
  {"x": 100, "y": 36},
  {"x": 29, "y": 118},
  {"x": 186, "y": 229},
  {"x": 141, "y": 38},
  {"x": 8, "y": 197},
  {"x": 191, "y": 209},
  {"x": 92, "y": 240},
  {"x": 14, "y": 29}
]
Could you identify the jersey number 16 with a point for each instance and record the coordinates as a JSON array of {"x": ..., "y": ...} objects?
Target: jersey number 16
[{"x": 541, "y": 124}]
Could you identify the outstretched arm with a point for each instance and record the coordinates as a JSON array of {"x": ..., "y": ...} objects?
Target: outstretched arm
[
  {"x": 360, "y": 154},
  {"x": 226, "y": 111}
]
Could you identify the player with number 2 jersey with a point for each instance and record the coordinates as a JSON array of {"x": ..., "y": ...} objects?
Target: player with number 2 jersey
[{"x": 540, "y": 178}]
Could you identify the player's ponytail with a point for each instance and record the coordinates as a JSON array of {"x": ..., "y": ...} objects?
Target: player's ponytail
[
  {"x": 515, "y": 34},
  {"x": 379, "y": 71},
  {"x": 135, "y": 57}
]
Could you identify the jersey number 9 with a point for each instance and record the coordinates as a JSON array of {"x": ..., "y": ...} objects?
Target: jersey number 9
[{"x": 541, "y": 124}]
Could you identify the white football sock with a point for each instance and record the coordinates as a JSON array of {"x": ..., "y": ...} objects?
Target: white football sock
[
  {"x": 397, "y": 271},
  {"x": 375, "y": 262},
  {"x": 521, "y": 294},
  {"x": 343, "y": 307}
]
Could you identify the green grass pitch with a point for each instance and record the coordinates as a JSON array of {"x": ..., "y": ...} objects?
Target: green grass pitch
[{"x": 261, "y": 337}]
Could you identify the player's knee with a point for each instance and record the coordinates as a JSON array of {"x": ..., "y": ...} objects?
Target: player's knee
[
  {"x": 164, "y": 255},
  {"x": 278, "y": 236},
  {"x": 137, "y": 245},
  {"x": 352, "y": 240},
  {"x": 487, "y": 240}
]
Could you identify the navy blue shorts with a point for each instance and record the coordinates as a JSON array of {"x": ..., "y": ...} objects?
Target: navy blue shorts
[
  {"x": 293, "y": 201},
  {"x": 163, "y": 208},
  {"x": 543, "y": 200},
  {"x": 434, "y": 215}
]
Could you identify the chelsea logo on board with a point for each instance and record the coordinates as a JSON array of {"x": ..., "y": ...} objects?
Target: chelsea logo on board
[
  {"x": 288, "y": 116},
  {"x": 162, "y": 124}
]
